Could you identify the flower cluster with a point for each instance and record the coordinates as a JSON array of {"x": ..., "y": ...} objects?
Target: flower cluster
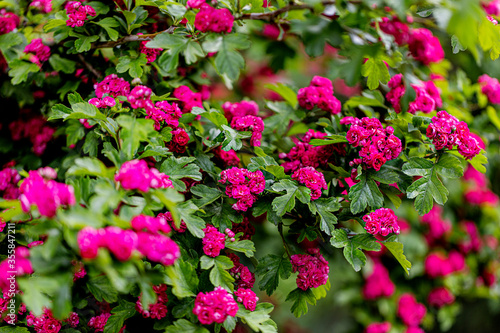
[
  {"x": 157, "y": 310},
  {"x": 241, "y": 109},
  {"x": 250, "y": 123},
  {"x": 440, "y": 296},
  {"x": 228, "y": 158},
  {"x": 35, "y": 129},
  {"x": 8, "y": 21},
  {"x": 427, "y": 99},
  {"x": 491, "y": 7},
  {"x": 382, "y": 221},
  {"x": 490, "y": 87},
  {"x": 378, "y": 283},
  {"x": 112, "y": 85},
  {"x": 166, "y": 113},
  {"x": 472, "y": 241},
  {"x": 423, "y": 45},
  {"x": 41, "y": 190},
  {"x": 247, "y": 297},
  {"x": 437, "y": 226},
  {"x": 105, "y": 102},
  {"x": 151, "y": 53},
  {"x": 140, "y": 97},
  {"x": 187, "y": 98},
  {"x": 214, "y": 20},
  {"x": 45, "y": 6},
  {"x": 378, "y": 145},
  {"x": 122, "y": 243},
  {"x": 9, "y": 178},
  {"x": 170, "y": 220},
  {"x": 241, "y": 274},
  {"x": 307, "y": 155},
  {"x": 478, "y": 192},
  {"x": 410, "y": 311},
  {"x": 243, "y": 185},
  {"x": 312, "y": 179},
  {"x": 319, "y": 93},
  {"x": 214, "y": 306},
  {"x": 313, "y": 269},
  {"x": 378, "y": 327},
  {"x": 243, "y": 117},
  {"x": 39, "y": 52},
  {"x": 5, "y": 301},
  {"x": 136, "y": 175},
  {"x": 79, "y": 270},
  {"x": 77, "y": 13},
  {"x": 150, "y": 224},
  {"x": 46, "y": 323},
  {"x": 179, "y": 141},
  {"x": 213, "y": 242},
  {"x": 245, "y": 227},
  {"x": 446, "y": 131},
  {"x": 22, "y": 267},
  {"x": 438, "y": 265}
]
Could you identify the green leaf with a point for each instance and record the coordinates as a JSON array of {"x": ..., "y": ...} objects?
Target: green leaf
[
  {"x": 194, "y": 224},
  {"x": 134, "y": 131},
  {"x": 193, "y": 52},
  {"x": 232, "y": 139},
  {"x": 396, "y": 249},
  {"x": 365, "y": 193},
  {"x": 13, "y": 328},
  {"x": 330, "y": 140},
  {"x": 270, "y": 269},
  {"x": 36, "y": 292},
  {"x": 84, "y": 43},
  {"x": 339, "y": 238},
  {"x": 479, "y": 161},
  {"x": 357, "y": 101},
  {"x": 9, "y": 40},
  {"x": 177, "y": 168},
  {"x": 376, "y": 71},
  {"x": 183, "y": 278},
  {"x": 219, "y": 276},
  {"x": 245, "y": 246},
  {"x": 87, "y": 166},
  {"x": 102, "y": 289},
  {"x": 324, "y": 207},
  {"x": 259, "y": 319},
  {"x": 19, "y": 70},
  {"x": 213, "y": 115},
  {"x": 228, "y": 61},
  {"x": 428, "y": 188},
  {"x": 173, "y": 45},
  {"x": 354, "y": 256},
  {"x": 449, "y": 166},
  {"x": 184, "y": 326},
  {"x": 120, "y": 313},
  {"x": 108, "y": 24},
  {"x": 132, "y": 65},
  {"x": 300, "y": 299},
  {"x": 284, "y": 91},
  {"x": 268, "y": 164},
  {"x": 207, "y": 194},
  {"x": 61, "y": 64},
  {"x": 286, "y": 202}
]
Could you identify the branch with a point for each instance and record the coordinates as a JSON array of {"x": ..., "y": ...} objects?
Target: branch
[
  {"x": 132, "y": 38},
  {"x": 89, "y": 66}
]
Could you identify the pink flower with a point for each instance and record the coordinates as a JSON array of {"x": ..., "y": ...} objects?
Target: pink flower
[
  {"x": 158, "y": 248},
  {"x": 136, "y": 175},
  {"x": 378, "y": 283},
  {"x": 44, "y": 6},
  {"x": 312, "y": 179},
  {"x": 213, "y": 242},
  {"x": 214, "y": 306},
  {"x": 247, "y": 297},
  {"x": 8, "y": 21},
  {"x": 47, "y": 195},
  {"x": 113, "y": 86},
  {"x": 187, "y": 98},
  {"x": 39, "y": 51},
  {"x": 313, "y": 269},
  {"x": 410, "y": 311},
  {"x": 440, "y": 297},
  {"x": 382, "y": 221},
  {"x": 89, "y": 241},
  {"x": 378, "y": 327},
  {"x": 214, "y": 20},
  {"x": 424, "y": 47},
  {"x": 120, "y": 242}
]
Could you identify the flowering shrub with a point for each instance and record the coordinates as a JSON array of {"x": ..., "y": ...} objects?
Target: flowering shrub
[{"x": 166, "y": 166}]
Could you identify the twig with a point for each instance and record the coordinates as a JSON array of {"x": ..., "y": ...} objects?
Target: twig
[
  {"x": 131, "y": 38},
  {"x": 89, "y": 66},
  {"x": 285, "y": 245}
]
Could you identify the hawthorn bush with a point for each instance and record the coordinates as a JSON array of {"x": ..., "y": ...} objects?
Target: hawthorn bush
[{"x": 190, "y": 166}]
